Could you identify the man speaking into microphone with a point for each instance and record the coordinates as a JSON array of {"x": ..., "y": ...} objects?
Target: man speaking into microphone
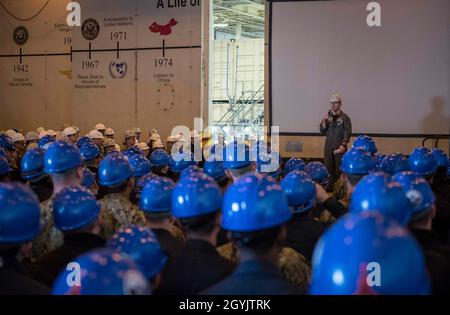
[{"x": 337, "y": 127}]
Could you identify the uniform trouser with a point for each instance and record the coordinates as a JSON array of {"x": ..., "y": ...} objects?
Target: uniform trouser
[{"x": 333, "y": 164}]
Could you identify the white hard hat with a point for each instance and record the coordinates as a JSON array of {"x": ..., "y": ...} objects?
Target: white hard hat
[
  {"x": 109, "y": 142},
  {"x": 155, "y": 137},
  {"x": 335, "y": 98},
  {"x": 109, "y": 132},
  {"x": 172, "y": 139},
  {"x": 128, "y": 134},
  {"x": 158, "y": 144},
  {"x": 95, "y": 134},
  {"x": 143, "y": 146},
  {"x": 51, "y": 132},
  {"x": 42, "y": 134},
  {"x": 10, "y": 133},
  {"x": 76, "y": 129},
  {"x": 100, "y": 126},
  {"x": 30, "y": 136},
  {"x": 69, "y": 131},
  {"x": 17, "y": 137},
  {"x": 137, "y": 130},
  {"x": 39, "y": 130}
]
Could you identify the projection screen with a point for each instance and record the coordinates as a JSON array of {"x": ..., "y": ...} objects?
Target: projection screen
[{"x": 394, "y": 79}]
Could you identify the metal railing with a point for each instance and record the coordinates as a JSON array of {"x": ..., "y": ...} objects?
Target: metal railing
[{"x": 248, "y": 110}]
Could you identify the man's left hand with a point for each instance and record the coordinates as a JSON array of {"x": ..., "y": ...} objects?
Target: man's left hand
[{"x": 340, "y": 150}]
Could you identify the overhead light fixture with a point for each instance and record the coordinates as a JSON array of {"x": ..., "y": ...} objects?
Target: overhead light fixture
[{"x": 220, "y": 25}]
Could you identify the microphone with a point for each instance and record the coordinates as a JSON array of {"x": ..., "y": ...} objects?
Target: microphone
[{"x": 330, "y": 115}]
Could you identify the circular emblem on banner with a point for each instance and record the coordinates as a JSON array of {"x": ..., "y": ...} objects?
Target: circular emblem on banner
[
  {"x": 90, "y": 29},
  {"x": 20, "y": 35},
  {"x": 118, "y": 70},
  {"x": 165, "y": 97}
]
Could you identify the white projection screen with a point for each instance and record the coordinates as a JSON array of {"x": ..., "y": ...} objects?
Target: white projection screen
[{"x": 394, "y": 79}]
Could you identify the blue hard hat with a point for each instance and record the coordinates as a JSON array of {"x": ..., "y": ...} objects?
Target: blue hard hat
[
  {"x": 422, "y": 161},
  {"x": 142, "y": 181},
  {"x": 4, "y": 166},
  {"x": 83, "y": 140},
  {"x": 196, "y": 195},
  {"x": 45, "y": 141},
  {"x": 366, "y": 143},
  {"x": 378, "y": 160},
  {"x": 140, "y": 165},
  {"x": 254, "y": 202},
  {"x": 357, "y": 161},
  {"x": 140, "y": 184},
  {"x": 88, "y": 178},
  {"x": 294, "y": 163},
  {"x": 417, "y": 190},
  {"x": 394, "y": 163},
  {"x": 159, "y": 157},
  {"x": 156, "y": 195},
  {"x": 269, "y": 163},
  {"x": 181, "y": 161},
  {"x": 318, "y": 172},
  {"x": 405, "y": 177},
  {"x": 74, "y": 208},
  {"x": 377, "y": 192},
  {"x": 32, "y": 164},
  {"x": 19, "y": 213},
  {"x": 440, "y": 157},
  {"x": 365, "y": 254},
  {"x": 189, "y": 170},
  {"x": 114, "y": 170},
  {"x": 89, "y": 151},
  {"x": 131, "y": 151},
  {"x": 103, "y": 272},
  {"x": 6, "y": 143},
  {"x": 141, "y": 245},
  {"x": 61, "y": 157},
  {"x": 214, "y": 169},
  {"x": 300, "y": 191},
  {"x": 236, "y": 155}
]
